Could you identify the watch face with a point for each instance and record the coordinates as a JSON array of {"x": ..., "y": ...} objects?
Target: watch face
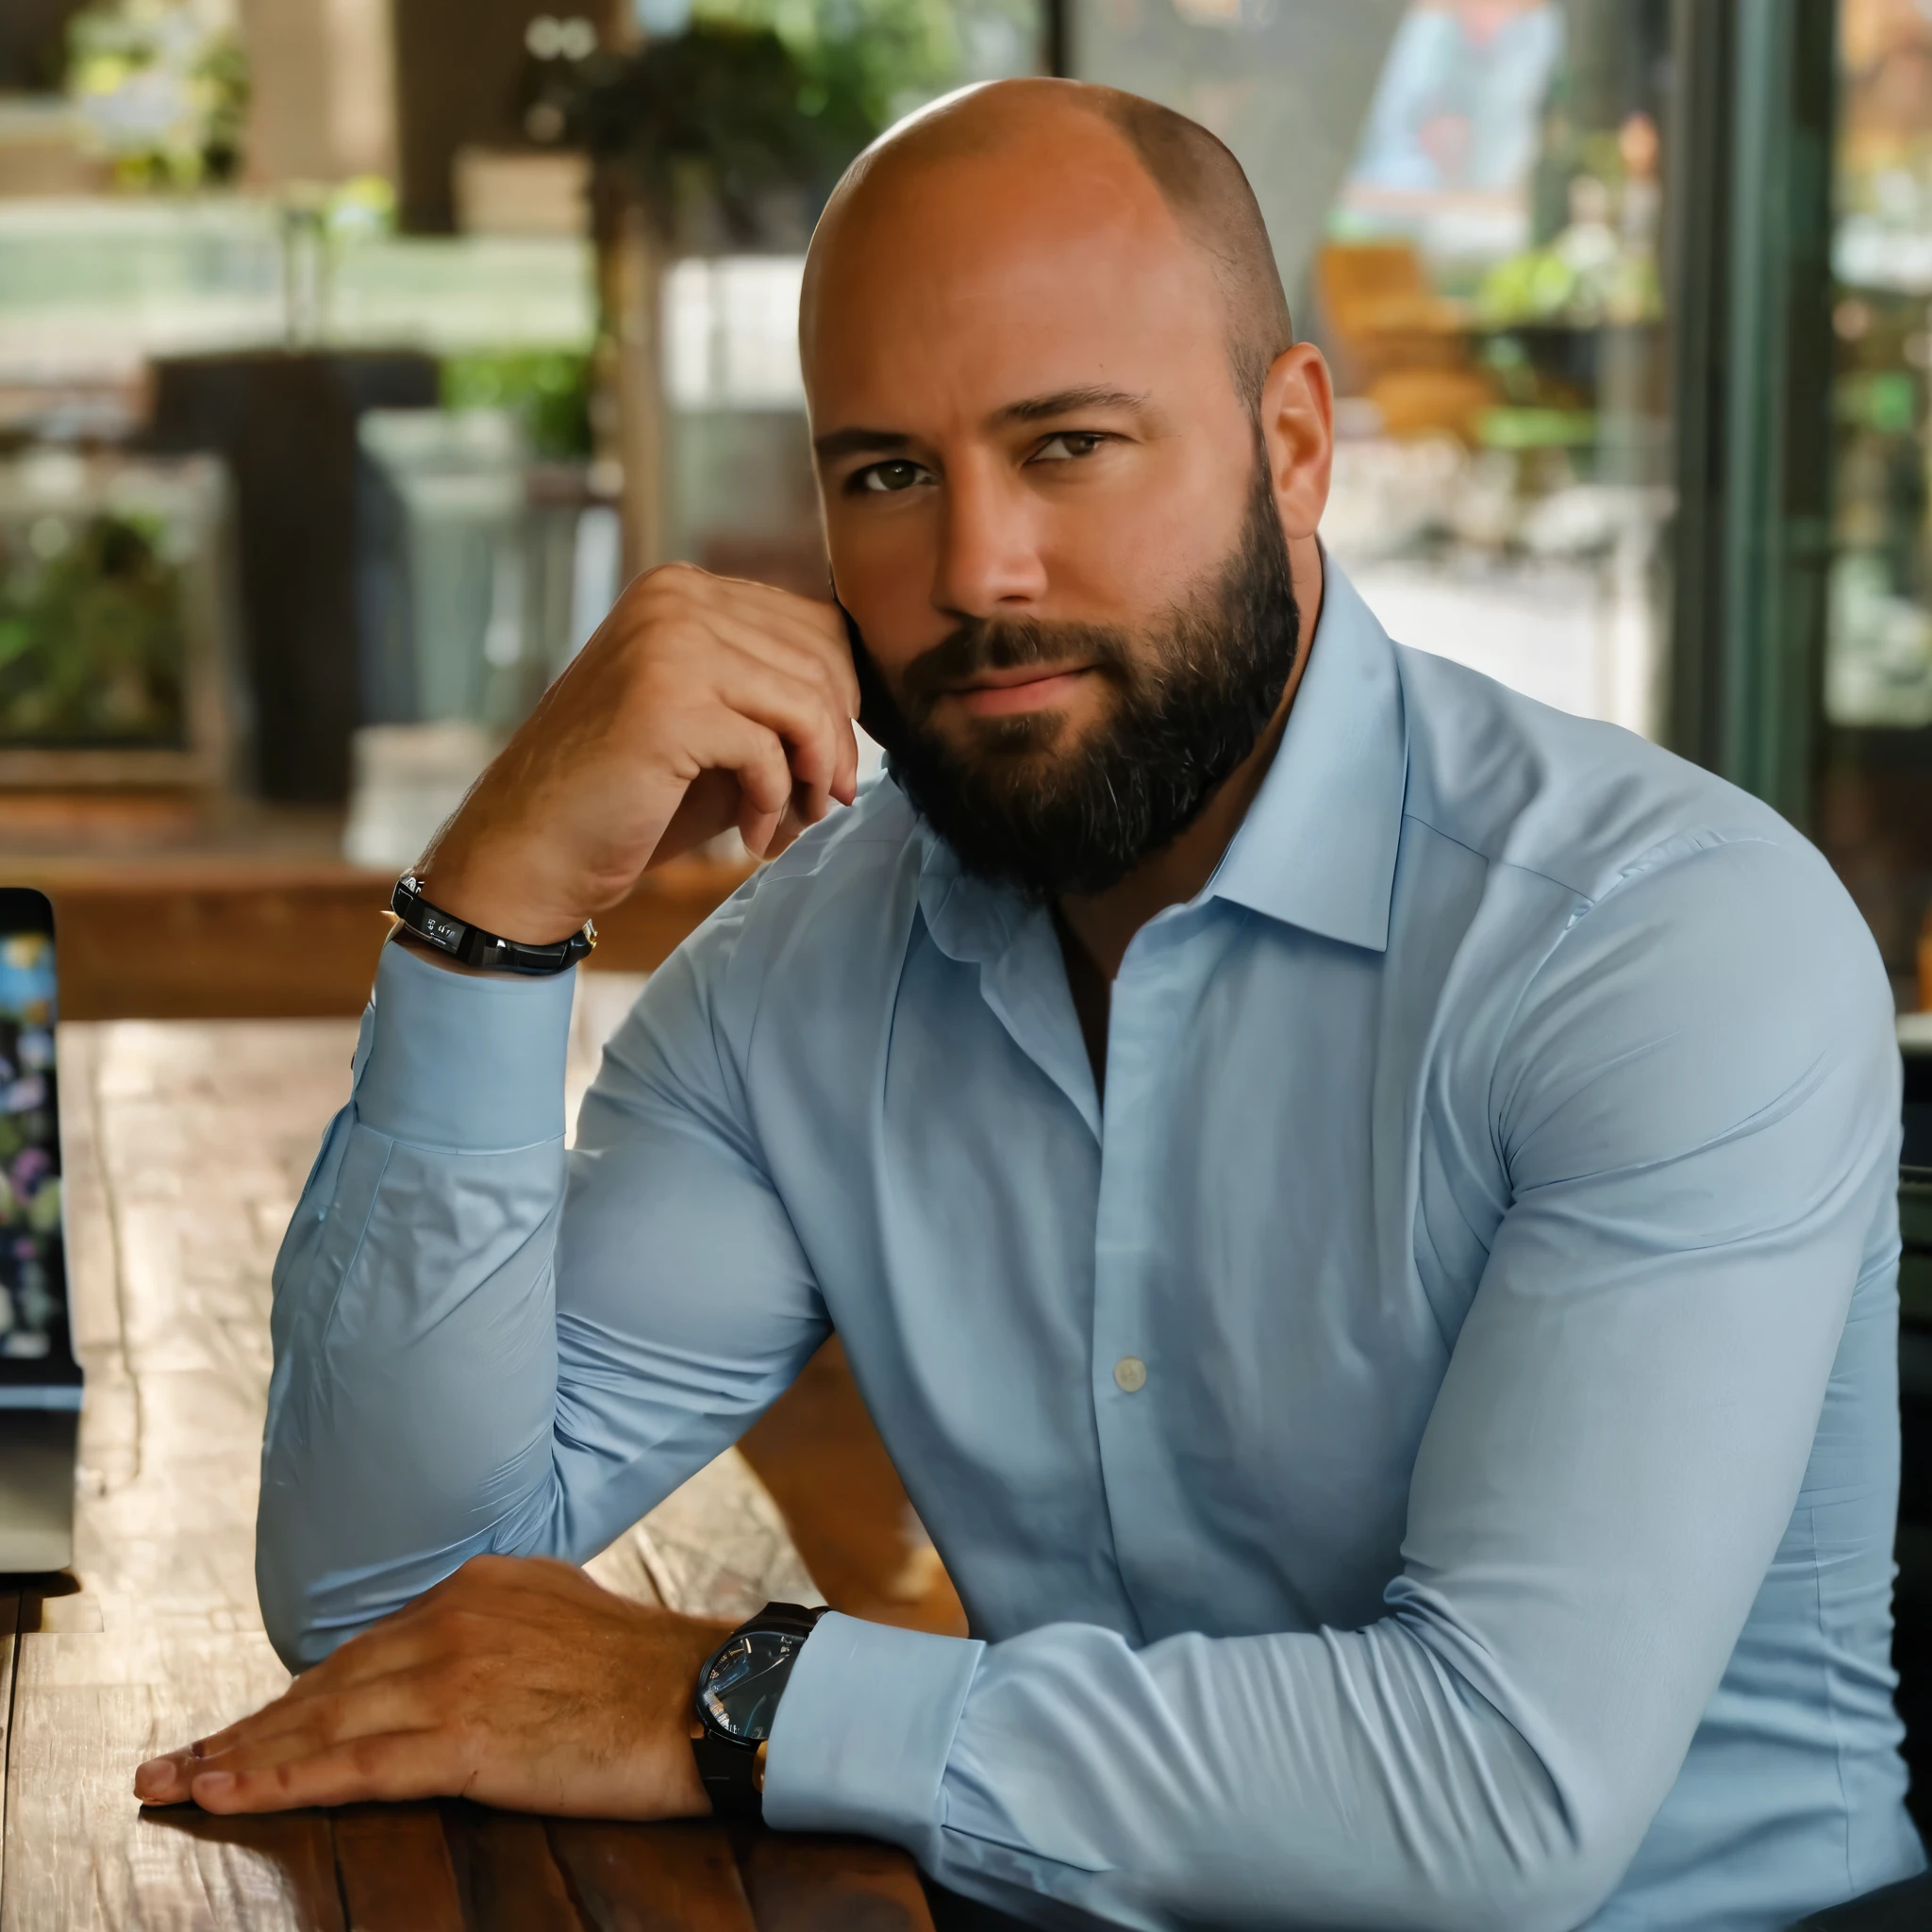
[{"x": 742, "y": 1689}]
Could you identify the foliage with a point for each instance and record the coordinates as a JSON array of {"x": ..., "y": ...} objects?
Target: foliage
[
  {"x": 92, "y": 646},
  {"x": 720, "y": 113},
  {"x": 163, "y": 88},
  {"x": 550, "y": 389},
  {"x": 887, "y": 55}
]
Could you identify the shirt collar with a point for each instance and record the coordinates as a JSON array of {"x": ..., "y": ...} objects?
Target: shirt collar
[{"x": 1317, "y": 848}]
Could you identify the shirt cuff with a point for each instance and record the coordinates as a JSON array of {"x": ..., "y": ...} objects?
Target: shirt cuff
[
  {"x": 864, "y": 1729},
  {"x": 469, "y": 1061}
]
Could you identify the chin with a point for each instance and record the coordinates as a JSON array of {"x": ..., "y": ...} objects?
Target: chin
[{"x": 1053, "y": 731}]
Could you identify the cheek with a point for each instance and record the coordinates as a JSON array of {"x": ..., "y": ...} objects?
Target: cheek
[
  {"x": 1125, "y": 555},
  {"x": 883, "y": 568}
]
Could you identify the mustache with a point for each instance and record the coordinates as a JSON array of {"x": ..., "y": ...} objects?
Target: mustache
[{"x": 1011, "y": 644}]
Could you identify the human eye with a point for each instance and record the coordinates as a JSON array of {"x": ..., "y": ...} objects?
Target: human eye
[
  {"x": 890, "y": 479},
  {"x": 1068, "y": 446}
]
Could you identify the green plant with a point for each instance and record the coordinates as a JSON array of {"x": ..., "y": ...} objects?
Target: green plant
[
  {"x": 722, "y": 113},
  {"x": 550, "y": 389},
  {"x": 163, "y": 86},
  {"x": 92, "y": 645},
  {"x": 886, "y": 56}
]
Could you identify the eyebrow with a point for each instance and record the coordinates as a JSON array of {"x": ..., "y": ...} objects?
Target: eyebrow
[
  {"x": 1064, "y": 402},
  {"x": 860, "y": 440},
  {"x": 857, "y": 442}
]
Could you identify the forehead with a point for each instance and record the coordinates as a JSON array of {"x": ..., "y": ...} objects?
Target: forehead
[{"x": 969, "y": 280}]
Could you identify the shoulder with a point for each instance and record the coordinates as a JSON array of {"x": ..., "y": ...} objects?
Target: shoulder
[
  {"x": 1582, "y": 804},
  {"x": 1675, "y": 926}
]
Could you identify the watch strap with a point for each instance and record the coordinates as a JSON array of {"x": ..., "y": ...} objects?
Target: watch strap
[
  {"x": 472, "y": 946},
  {"x": 730, "y": 1775}
]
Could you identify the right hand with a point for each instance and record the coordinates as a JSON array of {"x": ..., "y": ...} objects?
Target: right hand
[{"x": 701, "y": 704}]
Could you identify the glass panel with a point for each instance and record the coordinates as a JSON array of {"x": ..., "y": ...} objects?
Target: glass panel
[
  {"x": 740, "y": 496},
  {"x": 1489, "y": 295},
  {"x": 1486, "y": 284},
  {"x": 1874, "y": 812}
]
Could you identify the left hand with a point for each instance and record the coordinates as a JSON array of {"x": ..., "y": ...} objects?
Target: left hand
[{"x": 517, "y": 1682}]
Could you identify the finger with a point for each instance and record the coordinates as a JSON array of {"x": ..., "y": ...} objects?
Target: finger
[
  {"x": 165, "y": 1780},
  {"x": 672, "y": 590},
  {"x": 395, "y": 1648},
  {"x": 383, "y": 1768},
  {"x": 379, "y": 1653},
  {"x": 756, "y": 755},
  {"x": 775, "y": 697},
  {"x": 786, "y": 660},
  {"x": 710, "y": 806},
  {"x": 814, "y": 707},
  {"x": 822, "y": 641},
  {"x": 812, "y": 633},
  {"x": 408, "y": 1699}
]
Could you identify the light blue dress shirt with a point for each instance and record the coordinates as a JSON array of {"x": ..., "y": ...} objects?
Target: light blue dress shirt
[{"x": 1494, "y": 1182}]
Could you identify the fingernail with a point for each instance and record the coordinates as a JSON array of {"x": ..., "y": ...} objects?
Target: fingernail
[
  {"x": 157, "y": 1775},
  {"x": 213, "y": 1784}
]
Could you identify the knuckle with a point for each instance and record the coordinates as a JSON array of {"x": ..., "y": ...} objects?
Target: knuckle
[{"x": 669, "y": 579}]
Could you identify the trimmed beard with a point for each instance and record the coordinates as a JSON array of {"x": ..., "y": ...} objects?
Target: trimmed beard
[{"x": 1195, "y": 696}]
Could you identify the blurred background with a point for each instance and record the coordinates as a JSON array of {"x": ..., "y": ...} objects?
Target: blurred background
[{"x": 354, "y": 352}]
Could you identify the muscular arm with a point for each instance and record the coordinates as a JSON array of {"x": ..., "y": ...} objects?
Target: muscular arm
[
  {"x": 486, "y": 1346},
  {"x": 1697, "y": 1110},
  {"x": 437, "y": 1395}
]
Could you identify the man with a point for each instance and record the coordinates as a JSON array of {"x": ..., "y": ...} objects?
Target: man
[{"x": 1361, "y": 1206}]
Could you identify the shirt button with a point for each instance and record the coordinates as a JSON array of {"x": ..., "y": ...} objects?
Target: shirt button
[{"x": 1130, "y": 1372}]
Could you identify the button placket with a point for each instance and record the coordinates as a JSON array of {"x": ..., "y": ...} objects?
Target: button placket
[{"x": 1151, "y": 999}]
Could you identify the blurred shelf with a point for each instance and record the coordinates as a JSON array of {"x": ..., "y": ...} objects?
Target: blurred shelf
[{"x": 164, "y": 912}]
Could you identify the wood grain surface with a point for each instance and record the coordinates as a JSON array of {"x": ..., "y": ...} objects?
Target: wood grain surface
[
  {"x": 239, "y": 935},
  {"x": 185, "y": 1146}
]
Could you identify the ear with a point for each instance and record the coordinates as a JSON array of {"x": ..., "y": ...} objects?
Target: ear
[{"x": 1298, "y": 427}]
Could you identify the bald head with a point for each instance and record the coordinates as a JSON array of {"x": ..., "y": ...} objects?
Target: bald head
[{"x": 1066, "y": 123}]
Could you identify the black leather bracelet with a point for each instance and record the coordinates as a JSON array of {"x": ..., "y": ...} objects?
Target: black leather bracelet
[{"x": 473, "y": 946}]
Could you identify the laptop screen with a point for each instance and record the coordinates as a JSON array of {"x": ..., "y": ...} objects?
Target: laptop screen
[{"x": 34, "y": 1346}]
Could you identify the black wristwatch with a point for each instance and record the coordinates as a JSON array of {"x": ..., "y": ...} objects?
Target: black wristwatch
[
  {"x": 736, "y": 1698},
  {"x": 474, "y": 946}
]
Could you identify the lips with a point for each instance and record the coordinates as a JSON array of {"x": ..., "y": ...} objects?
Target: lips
[{"x": 1001, "y": 694}]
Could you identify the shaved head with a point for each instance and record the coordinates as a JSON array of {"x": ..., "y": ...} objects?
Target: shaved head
[
  {"x": 1198, "y": 180},
  {"x": 1070, "y": 463}
]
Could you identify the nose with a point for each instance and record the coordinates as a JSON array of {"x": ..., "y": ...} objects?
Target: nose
[{"x": 989, "y": 561}]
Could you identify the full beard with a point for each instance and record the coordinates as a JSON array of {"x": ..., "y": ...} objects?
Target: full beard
[{"x": 1194, "y": 699}]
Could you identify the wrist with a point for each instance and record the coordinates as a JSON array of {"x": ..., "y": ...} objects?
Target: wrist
[
  {"x": 738, "y": 1694},
  {"x": 491, "y": 899},
  {"x": 475, "y": 946}
]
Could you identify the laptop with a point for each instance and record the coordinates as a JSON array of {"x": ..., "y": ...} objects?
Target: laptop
[{"x": 39, "y": 1379}]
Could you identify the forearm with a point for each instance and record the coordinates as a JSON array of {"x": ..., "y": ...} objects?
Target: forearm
[
  {"x": 412, "y": 1409},
  {"x": 1327, "y": 1779},
  {"x": 1702, "y": 1155},
  {"x": 474, "y": 1354}
]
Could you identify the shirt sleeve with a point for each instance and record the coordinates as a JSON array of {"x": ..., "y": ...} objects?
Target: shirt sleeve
[
  {"x": 1696, "y": 1106},
  {"x": 483, "y": 1345}
]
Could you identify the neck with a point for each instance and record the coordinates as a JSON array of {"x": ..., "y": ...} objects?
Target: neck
[{"x": 1105, "y": 924}]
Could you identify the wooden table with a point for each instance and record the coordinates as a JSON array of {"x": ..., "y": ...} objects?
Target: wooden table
[{"x": 186, "y": 1145}]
